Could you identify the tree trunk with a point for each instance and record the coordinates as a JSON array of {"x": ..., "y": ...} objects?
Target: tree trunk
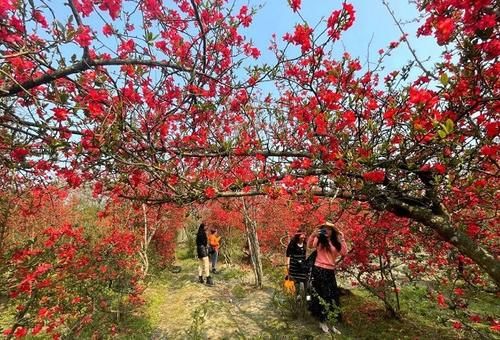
[
  {"x": 5, "y": 207},
  {"x": 443, "y": 226},
  {"x": 148, "y": 236},
  {"x": 253, "y": 245}
]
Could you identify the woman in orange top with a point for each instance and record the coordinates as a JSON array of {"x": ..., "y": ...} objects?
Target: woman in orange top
[
  {"x": 330, "y": 245},
  {"x": 214, "y": 243}
]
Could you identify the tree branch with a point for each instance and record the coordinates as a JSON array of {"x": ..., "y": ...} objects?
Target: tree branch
[{"x": 87, "y": 64}]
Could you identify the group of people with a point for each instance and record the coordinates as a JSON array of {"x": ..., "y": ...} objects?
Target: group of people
[
  {"x": 207, "y": 249},
  {"x": 329, "y": 244}
]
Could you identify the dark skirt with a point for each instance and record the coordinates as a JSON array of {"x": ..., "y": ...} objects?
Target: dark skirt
[
  {"x": 297, "y": 270},
  {"x": 325, "y": 297}
]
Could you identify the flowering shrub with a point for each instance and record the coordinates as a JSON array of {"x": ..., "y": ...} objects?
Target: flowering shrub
[{"x": 62, "y": 284}]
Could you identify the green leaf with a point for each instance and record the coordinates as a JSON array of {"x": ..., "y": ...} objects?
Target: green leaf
[
  {"x": 444, "y": 79},
  {"x": 442, "y": 133},
  {"x": 63, "y": 97},
  {"x": 449, "y": 125}
]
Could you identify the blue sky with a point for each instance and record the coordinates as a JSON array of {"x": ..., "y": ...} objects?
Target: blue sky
[{"x": 373, "y": 22}]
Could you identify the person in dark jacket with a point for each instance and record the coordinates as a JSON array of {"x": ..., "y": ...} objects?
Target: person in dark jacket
[
  {"x": 296, "y": 257},
  {"x": 202, "y": 252}
]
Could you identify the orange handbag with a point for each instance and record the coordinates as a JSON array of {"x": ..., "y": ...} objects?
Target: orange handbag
[{"x": 289, "y": 286}]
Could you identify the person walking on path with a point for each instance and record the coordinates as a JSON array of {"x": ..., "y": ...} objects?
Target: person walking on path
[
  {"x": 213, "y": 246},
  {"x": 330, "y": 245},
  {"x": 202, "y": 252}
]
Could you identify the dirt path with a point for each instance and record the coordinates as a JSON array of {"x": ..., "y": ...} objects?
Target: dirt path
[
  {"x": 178, "y": 307},
  {"x": 183, "y": 308}
]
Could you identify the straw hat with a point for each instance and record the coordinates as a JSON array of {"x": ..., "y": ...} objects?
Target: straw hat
[{"x": 327, "y": 224}]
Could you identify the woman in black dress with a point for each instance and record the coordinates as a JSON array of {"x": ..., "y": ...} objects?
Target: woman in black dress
[{"x": 296, "y": 257}]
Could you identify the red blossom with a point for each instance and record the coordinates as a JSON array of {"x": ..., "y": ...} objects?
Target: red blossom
[
  {"x": 5, "y": 6},
  {"x": 492, "y": 129},
  {"x": 84, "y": 6},
  {"x": 376, "y": 176},
  {"x": 340, "y": 20},
  {"x": 301, "y": 36},
  {"x": 244, "y": 17},
  {"x": 473, "y": 229},
  {"x": 126, "y": 47},
  {"x": 490, "y": 150},
  {"x": 389, "y": 116},
  {"x": 98, "y": 186},
  {"x": 441, "y": 300},
  {"x": 19, "y": 154},
  {"x": 60, "y": 114},
  {"x": 444, "y": 30},
  {"x": 38, "y": 16},
  {"x": 74, "y": 180},
  {"x": 83, "y": 36},
  {"x": 20, "y": 332},
  {"x": 321, "y": 124},
  {"x": 107, "y": 30},
  {"x": 295, "y": 4},
  {"x": 251, "y": 50},
  {"x": 112, "y": 6},
  {"x": 210, "y": 192},
  {"x": 439, "y": 168},
  {"x": 35, "y": 330},
  {"x": 393, "y": 44},
  {"x": 422, "y": 96}
]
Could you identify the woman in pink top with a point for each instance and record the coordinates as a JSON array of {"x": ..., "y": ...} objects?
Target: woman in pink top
[{"x": 330, "y": 245}]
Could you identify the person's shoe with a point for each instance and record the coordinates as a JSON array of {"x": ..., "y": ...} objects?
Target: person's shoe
[
  {"x": 200, "y": 279},
  {"x": 335, "y": 330},
  {"x": 214, "y": 270},
  {"x": 210, "y": 282},
  {"x": 324, "y": 327}
]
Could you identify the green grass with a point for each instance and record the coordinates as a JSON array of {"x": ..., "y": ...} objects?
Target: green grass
[
  {"x": 239, "y": 291},
  {"x": 365, "y": 318},
  {"x": 230, "y": 273},
  {"x": 184, "y": 253},
  {"x": 6, "y": 313}
]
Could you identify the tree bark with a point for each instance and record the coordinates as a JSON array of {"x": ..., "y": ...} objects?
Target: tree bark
[
  {"x": 5, "y": 207},
  {"x": 253, "y": 245},
  {"x": 443, "y": 226}
]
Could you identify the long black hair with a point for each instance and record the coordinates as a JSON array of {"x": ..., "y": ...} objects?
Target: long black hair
[
  {"x": 334, "y": 238},
  {"x": 295, "y": 239},
  {"x": 201, "y": 236}
]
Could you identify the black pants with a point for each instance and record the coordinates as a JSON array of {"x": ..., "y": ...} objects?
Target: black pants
[{"x": 325, "y": 294}]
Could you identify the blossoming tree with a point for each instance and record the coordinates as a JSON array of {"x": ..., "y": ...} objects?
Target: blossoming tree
[{"x": 162, "y": 103}]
